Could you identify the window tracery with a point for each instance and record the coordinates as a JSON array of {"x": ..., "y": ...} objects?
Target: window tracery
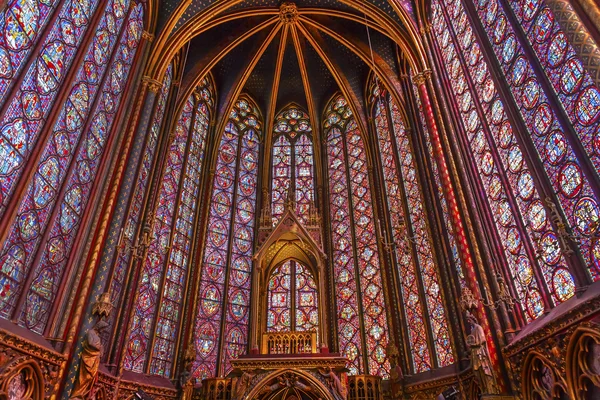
[
  {"x": 293, "y": 162},
  {"x": 548, "y": 129},
  {"x": 292, "y": 302},
  {"x": 362, "y": 323},
  {"x": 511, "y": 190},
  {"x": 221, "y": 324},
  {"x": 155, "y": 320}
]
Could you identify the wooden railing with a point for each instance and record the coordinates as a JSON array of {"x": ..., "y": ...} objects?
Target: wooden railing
[{"x": 289, "y": 343}]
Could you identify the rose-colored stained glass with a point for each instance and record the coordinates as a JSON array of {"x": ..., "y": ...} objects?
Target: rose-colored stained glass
[
  {"x": 499, "y": 160},
  {"x": 292, "y": 299},
  {"x": 356, "y": 256},
  {"x": 293, "y": 164},
  {"x": 545, "y": 128},
  {"x": 221, "y": 323},
  {"x": 69, "y": 161}
]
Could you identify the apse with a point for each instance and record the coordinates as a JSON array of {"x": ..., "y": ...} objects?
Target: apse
[{"x": 332, "y": 199}]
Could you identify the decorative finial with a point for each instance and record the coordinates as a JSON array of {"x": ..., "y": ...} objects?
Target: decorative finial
[{"x": 288, "y": 13}]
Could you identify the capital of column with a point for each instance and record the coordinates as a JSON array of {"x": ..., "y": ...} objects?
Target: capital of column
[
  {"x": 152, "y": 84},
  {"x": 147, "y": 36},
  {"x": 425, "y": 30},
  {"x": 420, "y": 78}
]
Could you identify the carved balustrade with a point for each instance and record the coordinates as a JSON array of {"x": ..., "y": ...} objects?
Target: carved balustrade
[{"x": 289, "y": 343}]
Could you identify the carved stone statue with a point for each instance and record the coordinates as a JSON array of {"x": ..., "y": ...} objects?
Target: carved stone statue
[
  {"x": 335, "y": 385},
  {"x": 90, "y": 362},
  {"x": 185, "y": 378},
  {"x": 480, "y": 358},
  {"x": 241, "y": 385},
  {"x": 396, "y": 375}
]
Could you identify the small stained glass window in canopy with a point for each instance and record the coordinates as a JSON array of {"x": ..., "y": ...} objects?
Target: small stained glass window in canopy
[{"x": 292, "y": 299}]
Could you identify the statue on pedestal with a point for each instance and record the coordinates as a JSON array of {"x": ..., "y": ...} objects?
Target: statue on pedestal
[
  {"x": 90, "y": 362},
  {"x": 396, "y": 375},
  {"x": 334, "y": 383},
  {"x": 92, "y": 351},
  {"x": 186, "y": 380},
  {"x": 480, "y": 358}
]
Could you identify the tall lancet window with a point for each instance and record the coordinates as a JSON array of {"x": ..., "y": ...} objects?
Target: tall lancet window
[
  {"x": 292, "y": 162},
  {"x": 157, "y": 310},
  {"x": 292, "y": 299},
  {"x": 358, "y": 282},
  {"x": 132, "y": 222},
  {"x": 221, "y": 327},
  {"x": 557, "y": 102},
  {"x": 530, "y": 244},
  {"x": 46, "y": 216},
  {"x": 415, "y": 258}
]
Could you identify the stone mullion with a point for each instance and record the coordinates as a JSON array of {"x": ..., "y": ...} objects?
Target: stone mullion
[
  {"x": 254, "y": 312},
  {"x": 396, "y": 315},
  {"x": 328, "y": 248}
]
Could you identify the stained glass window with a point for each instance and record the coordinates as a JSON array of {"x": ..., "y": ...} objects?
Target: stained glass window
[
  {"x": 28, "y": 108},
  {"x": 55, "y": 200},
  {"x": 362, "y": 323},
  {"x": 127, "y": 236},
  {"x": 555, "y": 145},
  {"x": 414, "y": 250},
  {"x": 165, "y": 268},
  {"x": 221, "y": 327},
  {"x": 519, "y": 214},
  {"x": 292, "y": 299},
  {"x": 292, "y": 162}
]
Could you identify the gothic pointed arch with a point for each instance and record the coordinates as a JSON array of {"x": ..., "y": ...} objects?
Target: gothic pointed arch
[{"x": 222, "y": 318}]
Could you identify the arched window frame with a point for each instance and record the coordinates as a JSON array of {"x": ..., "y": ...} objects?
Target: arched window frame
[
  {"x": 290, "y": 130},
  {"x": 165, "y": 269},
  {"x": 292, "y": 292},
  {"x": 338, "y": 124},
  {"x": 226, "y": 266}
]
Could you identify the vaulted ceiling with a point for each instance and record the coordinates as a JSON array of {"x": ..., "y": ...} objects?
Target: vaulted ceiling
[{"x": 281, "y": 52}]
